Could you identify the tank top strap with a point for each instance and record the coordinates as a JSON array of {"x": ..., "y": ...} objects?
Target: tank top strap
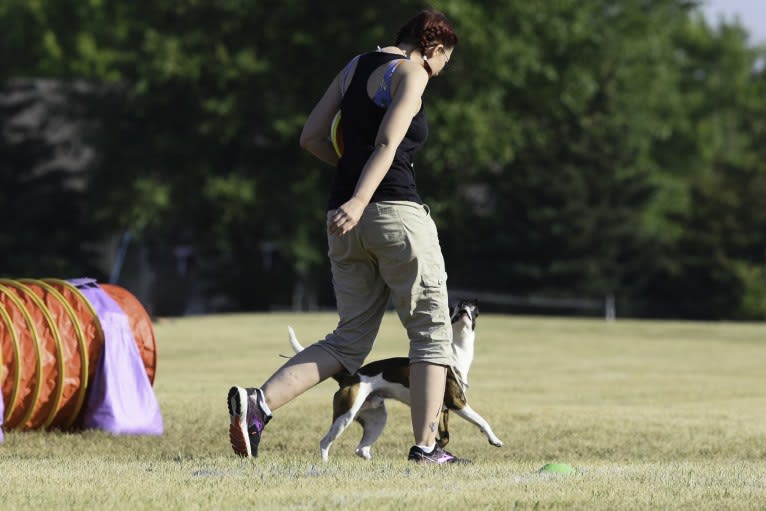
[{"x": 344, "y": 74}]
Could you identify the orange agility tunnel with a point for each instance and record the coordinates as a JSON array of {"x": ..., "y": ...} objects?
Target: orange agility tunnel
[{"x": 53, "y": 347}]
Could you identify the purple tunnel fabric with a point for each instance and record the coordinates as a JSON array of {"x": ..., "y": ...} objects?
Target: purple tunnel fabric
[{"x": 121, "y": 399}]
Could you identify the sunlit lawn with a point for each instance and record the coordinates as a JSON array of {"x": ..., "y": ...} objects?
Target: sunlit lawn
[{"x": 651, "y": 414}]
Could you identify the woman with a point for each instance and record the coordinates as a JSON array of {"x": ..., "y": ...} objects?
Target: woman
[{"x": 382, "y": 240}]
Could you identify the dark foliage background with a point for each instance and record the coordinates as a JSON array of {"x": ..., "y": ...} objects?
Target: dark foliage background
[{"x": 579, "y": 149}]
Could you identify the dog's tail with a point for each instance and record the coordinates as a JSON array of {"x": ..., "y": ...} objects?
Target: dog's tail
[
  {"x": 340, "y": 377},
  {"x": 297, "y": 347}
]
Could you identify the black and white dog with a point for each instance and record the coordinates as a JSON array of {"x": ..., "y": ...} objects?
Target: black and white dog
[{"x": 362, "y": 395}]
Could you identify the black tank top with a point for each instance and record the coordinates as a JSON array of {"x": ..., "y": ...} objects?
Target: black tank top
[{"x": 361, "y": 120}]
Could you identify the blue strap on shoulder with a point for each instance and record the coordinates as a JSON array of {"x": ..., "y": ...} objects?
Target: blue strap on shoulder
[{"x": 383, "y": 94}]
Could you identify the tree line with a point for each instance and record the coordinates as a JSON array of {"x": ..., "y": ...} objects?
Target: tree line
[{"x": 578, "y": 148}]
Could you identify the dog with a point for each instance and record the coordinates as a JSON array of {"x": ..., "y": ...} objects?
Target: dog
[{"x": 362, "y": 395}]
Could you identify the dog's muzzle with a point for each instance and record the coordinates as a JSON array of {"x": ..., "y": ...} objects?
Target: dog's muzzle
[{"x": 461, "y": 313}]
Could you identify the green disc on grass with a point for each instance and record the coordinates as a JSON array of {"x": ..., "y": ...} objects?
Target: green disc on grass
[{"x": 557, "y": 468}]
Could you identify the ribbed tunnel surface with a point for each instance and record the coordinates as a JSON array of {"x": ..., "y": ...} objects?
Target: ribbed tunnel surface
[{"x": 51, "y": 339}]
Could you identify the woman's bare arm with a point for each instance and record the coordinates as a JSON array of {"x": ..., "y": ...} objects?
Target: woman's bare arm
[{"x": 315, "y": 137}]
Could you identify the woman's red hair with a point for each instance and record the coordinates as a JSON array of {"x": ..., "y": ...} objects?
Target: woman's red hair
[{"x": 427, "y": 29}]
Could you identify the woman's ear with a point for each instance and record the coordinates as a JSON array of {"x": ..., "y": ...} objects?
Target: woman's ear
[{"x": 430, "y": 52}]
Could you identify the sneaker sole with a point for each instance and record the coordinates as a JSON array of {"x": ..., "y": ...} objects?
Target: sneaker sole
[
  {"x": 426, "y": 461},
  {"x": 456, "y": 461},
  {"x": 238, "y": 436}
]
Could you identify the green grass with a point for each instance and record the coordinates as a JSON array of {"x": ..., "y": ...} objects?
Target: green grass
[{"x": 653, "y": 415}]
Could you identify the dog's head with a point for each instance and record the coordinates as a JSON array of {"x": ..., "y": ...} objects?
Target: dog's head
[{"x": 466, "y": 311}]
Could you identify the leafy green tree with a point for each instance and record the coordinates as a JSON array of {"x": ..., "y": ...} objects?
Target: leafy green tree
[
  {"x": 564, "y": 103},
  {"x": 576, "y": 148},
  {"x": 712, "y": 244}
]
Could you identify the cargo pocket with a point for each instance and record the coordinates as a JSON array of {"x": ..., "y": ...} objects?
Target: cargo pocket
[
  {"x": 433, "y": 281},
  {"x": 433, "y": 278}
]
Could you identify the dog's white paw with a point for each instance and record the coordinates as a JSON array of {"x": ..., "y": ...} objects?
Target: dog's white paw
[
  {"x": 363, "y": 452},
  {"x": 496, "y": 442}
]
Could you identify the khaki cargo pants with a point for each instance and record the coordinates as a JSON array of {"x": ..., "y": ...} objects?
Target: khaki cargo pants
[{"x": 393, "y": 253}]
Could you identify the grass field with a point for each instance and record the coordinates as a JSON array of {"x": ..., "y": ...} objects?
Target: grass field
[{"x": 653, "y": 415}]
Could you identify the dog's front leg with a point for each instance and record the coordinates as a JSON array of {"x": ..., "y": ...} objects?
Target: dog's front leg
[
  {"x": 471, "y": 416},
  {"x": 443, "y": 439}
]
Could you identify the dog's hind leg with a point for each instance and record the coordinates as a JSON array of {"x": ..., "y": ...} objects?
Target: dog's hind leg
[
  {"x": 471, "y": 416},
  {"x": 373, "y": 418},
  {"x": 346, "y": 405}
]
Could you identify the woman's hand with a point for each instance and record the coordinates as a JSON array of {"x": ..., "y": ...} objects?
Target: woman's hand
[{"x": 346, "y": 217}]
